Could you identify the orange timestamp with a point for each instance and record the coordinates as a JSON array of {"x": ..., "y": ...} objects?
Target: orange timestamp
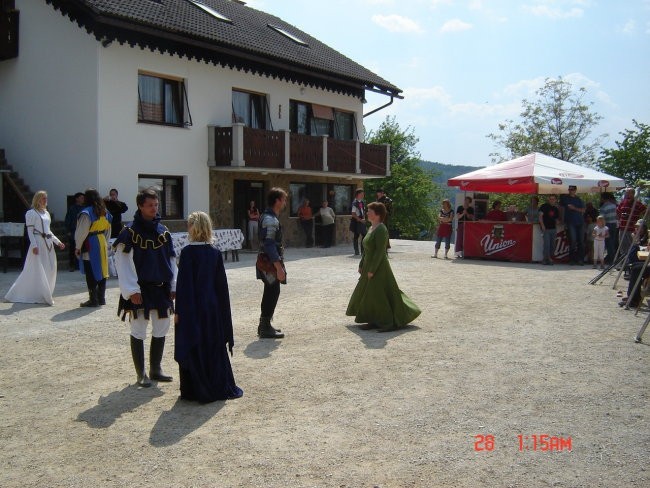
[{"x": 526, "y": 442}]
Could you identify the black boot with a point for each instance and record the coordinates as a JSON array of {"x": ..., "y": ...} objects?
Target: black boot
[
  {"x": 137, "y": 351},
  {"x": 155, "y": 358},
  {"x": 266, "y": 331},
  {"x": 101, "y": 292},
  {"x": 92, "y": 301}
]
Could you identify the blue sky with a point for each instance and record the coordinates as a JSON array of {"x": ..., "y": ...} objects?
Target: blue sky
[{"x": 466, "y": 65}]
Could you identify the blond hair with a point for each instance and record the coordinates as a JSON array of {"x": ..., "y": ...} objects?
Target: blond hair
[
  {"x": 199, "y": 227},
  {"x": 36, "y": 200}
]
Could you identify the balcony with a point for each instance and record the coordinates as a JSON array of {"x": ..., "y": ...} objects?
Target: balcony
[{"x": 241, "y": 148}]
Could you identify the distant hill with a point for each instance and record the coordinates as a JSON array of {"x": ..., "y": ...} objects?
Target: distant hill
[{"x": 444, "y": 172}]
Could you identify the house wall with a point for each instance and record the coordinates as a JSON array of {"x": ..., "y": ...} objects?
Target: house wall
[
  {"x": 48, "y": 105},
  {"x": 69, "y": 110}
]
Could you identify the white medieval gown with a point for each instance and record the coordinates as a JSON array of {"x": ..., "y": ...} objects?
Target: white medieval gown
[{"x": 36, "y": 282}]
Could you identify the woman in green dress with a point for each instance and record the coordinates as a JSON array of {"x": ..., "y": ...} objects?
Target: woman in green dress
[{"x": 377, "y": 302}]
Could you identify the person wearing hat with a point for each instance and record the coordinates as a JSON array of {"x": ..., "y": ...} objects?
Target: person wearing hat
[
  {"x": 71, "y": 227},
  {"x": 573, "y": 216}
]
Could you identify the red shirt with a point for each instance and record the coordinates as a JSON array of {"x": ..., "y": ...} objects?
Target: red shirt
[{"x": 623, "y": 211}]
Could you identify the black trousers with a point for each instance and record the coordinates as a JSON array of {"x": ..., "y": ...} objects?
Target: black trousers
[
  {"x": 635, "y": 271},
  {"x": 73, "y": 261},
  {"x": 270, "y": 299}
]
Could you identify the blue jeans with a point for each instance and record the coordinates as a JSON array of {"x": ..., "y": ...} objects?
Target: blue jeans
[
  {"x": 576, "y": 234},
  {"x": 447, "y": 240},
  {"x": 549, "y": 244}
]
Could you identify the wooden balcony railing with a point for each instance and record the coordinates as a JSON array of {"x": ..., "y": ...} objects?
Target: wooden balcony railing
[{"x": 243, "y": 147}]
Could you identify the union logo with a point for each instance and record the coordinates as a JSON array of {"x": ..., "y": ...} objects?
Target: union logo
[
  {"x": 494, "y": 242},
  {"x": 556, "y": 181},
  {"x": 603, "y": 184}
]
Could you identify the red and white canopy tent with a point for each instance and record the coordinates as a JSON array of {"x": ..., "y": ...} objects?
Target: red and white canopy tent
[{"x": 536, "y": 173}]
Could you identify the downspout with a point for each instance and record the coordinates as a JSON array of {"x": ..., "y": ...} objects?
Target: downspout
[
  {"x": 393, "y": 96},
  {"x": 380, "y": 108}
]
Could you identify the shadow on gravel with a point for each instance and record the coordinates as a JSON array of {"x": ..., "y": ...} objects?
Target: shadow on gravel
[
  {"x": 19, "y": 307},
  {"x": 111, "y": 407},
  {"x": 183, "y": 419},
  {"x": 261, "y": 348},
  {"x": 378, "y": 340},
  {"x": 75, "y": 313}
]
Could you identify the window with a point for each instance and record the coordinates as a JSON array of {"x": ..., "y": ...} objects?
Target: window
[
  {"x": 209, "y": 10},
  {"x": 287, "y": 34},
  {"x": 250, "y": 109},
  {"x": 344, "y": 125},
  {"x": 162, "y": 101},
  {"x": 339, "y": 197},
  {"x": 170, "y": 193},
  {"x": 318, "y": 120}
]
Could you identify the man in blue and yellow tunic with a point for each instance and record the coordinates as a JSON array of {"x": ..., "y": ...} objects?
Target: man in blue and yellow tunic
[
  {"x": 146, "y": 270},
  {"x": 91, "y": 246}
]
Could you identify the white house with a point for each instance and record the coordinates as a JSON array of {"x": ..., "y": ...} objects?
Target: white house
[{"x": 213, "y": 102}]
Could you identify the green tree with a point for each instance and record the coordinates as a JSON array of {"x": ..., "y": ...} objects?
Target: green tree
[
  {"x": 558, "y": 123},
  {"x": 631, "y": 158},
  {"x": 411, "y": 187}
]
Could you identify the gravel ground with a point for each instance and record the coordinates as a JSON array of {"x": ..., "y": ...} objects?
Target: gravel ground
[{"x": 501, "y": 350}]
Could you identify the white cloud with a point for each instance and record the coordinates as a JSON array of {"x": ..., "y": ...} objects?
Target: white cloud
[
  {"x": 380, "y": 2},
  {"x": 553, "y": 11},
  {"x": 629, "y": 27},
  {"x": 475, "y": 5},
  {"x": 397, "y": 23},
  {"x": 438, "y": 3},
  {"x": 455, "y": 25}
]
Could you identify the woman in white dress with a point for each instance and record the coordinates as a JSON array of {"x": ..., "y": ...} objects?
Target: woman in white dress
[{"x": 36, "y": 282}]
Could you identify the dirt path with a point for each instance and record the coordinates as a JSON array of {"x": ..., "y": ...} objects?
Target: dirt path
[{"x": 500, "y": 349}]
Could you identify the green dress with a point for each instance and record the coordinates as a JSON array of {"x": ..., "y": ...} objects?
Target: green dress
[{"x": 379, "y": 300}]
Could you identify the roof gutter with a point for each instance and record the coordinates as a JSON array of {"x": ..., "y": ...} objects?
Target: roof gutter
[{"x": 392, "y": 97}]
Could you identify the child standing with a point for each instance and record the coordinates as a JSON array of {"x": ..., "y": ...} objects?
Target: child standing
[
  {"x": 589, "y": 238},
  {"x": 600, "y": 233}
]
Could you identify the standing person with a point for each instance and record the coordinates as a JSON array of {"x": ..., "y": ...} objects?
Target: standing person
[
  {"x": 599, "y": 233},
  {"x": 628, "y": 212},
  {"x": 377, "y": 302},
  {"x": 589, "y": 237},
  {"x": 532, "y": 212},
  {"x": 203, "y": 321},
  {"x": 91, "y": 238},
  {"x": 306, "y": 218},
  {"x": 548, "y": 217},
  {"x": 388, "y": 203},
  {"x": 358, "y": 220},
  {"x": 146, "y": 270},
  {"x": 71, "y": 226},
  {"x": 270, "y": 232},
  {"x": 608, "y": 211},
  {"x": 36, "y": 282},
  {"x": 253, "y": 217},
  {"x": 445, "y": 218},
  {"x": 328, "y": 219},
  {"x": 116, "y": 209},
  {"x": 573, "y": 219},
  {"x": 496, "y": 214},
  {"x": 464, "y": 213}
]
